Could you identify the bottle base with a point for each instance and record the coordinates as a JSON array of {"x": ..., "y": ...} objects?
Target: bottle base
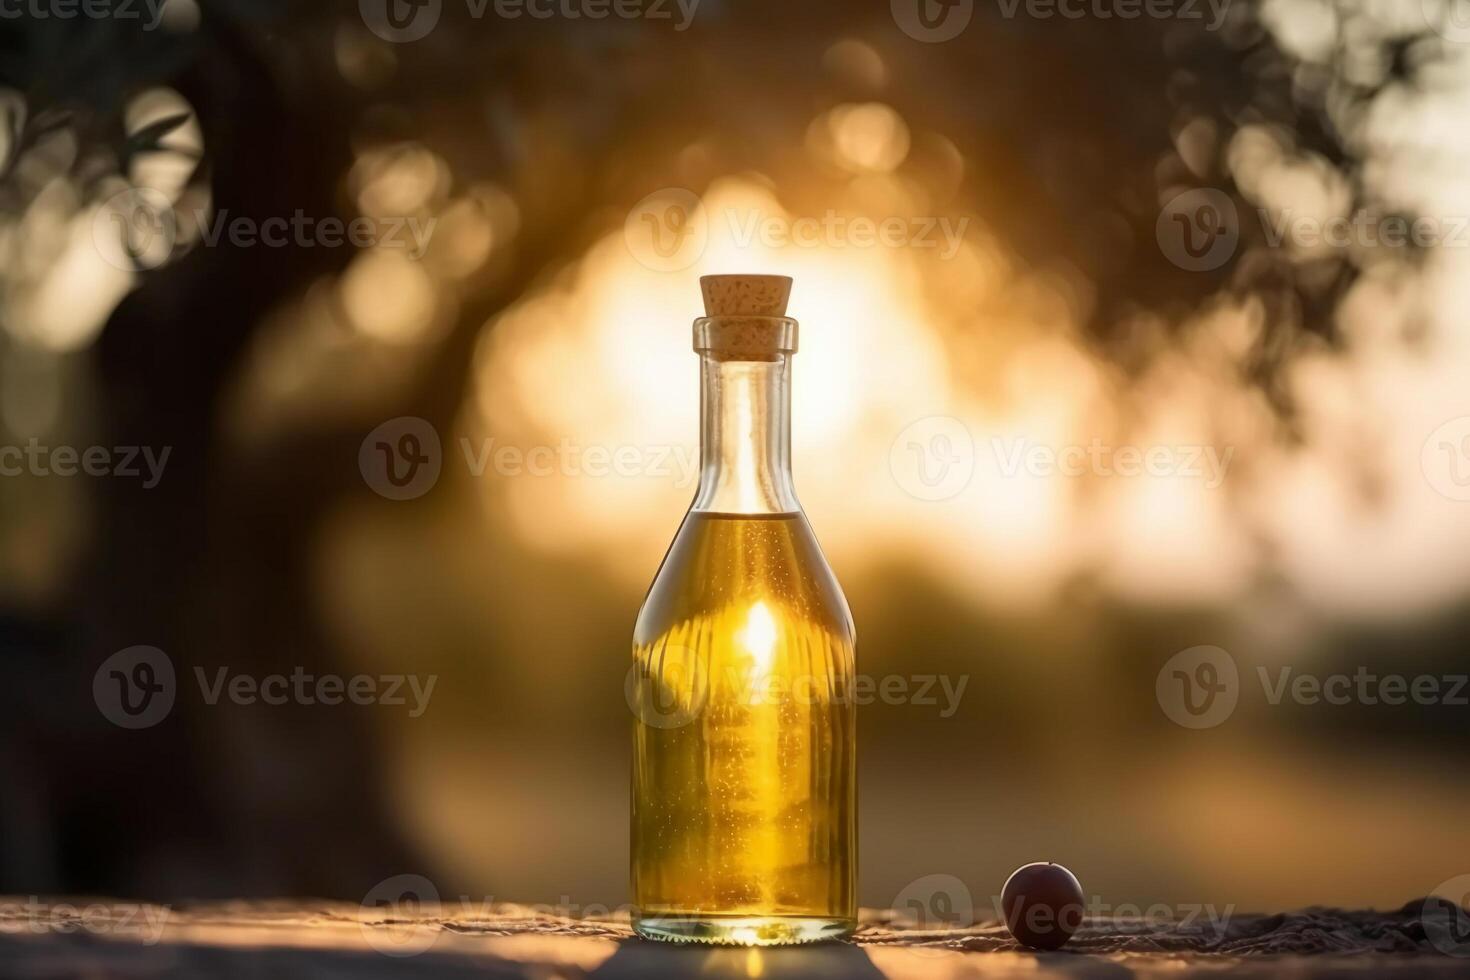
[{"x": 742, "y": 930}]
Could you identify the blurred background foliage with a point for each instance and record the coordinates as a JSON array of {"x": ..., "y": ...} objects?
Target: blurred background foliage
[{"x": 531, "y": 319}]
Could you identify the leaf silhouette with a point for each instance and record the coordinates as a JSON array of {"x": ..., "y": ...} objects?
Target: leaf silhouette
[{"x": 150, "y": 138}]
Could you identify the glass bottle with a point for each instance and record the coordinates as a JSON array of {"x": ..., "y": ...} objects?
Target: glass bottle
[{"x": 744, "y": 822}]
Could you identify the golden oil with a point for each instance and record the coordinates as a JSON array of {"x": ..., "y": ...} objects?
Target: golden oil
[{"x": 744, "y": 824}]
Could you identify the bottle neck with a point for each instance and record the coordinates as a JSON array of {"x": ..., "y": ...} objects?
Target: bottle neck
[{"x": 745, "y": 437}]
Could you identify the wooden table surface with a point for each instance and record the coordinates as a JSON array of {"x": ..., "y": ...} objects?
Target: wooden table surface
[{"x": 85, "y": 937}]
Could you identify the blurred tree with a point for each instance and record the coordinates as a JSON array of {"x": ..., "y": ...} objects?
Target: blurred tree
[{"x": 1070, "y": 131}]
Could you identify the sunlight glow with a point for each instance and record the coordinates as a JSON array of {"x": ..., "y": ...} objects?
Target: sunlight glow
[
  {"x": 894, "y": 340},
  {"x": 759, "y": 639}
]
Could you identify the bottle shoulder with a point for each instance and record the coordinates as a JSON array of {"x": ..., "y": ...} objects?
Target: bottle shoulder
[{"x": 719, "y": 562}]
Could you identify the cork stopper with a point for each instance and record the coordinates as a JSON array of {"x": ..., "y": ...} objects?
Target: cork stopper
[
  {"x": 745, "y": 318},
  {"x": 750, "y": 295}
]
